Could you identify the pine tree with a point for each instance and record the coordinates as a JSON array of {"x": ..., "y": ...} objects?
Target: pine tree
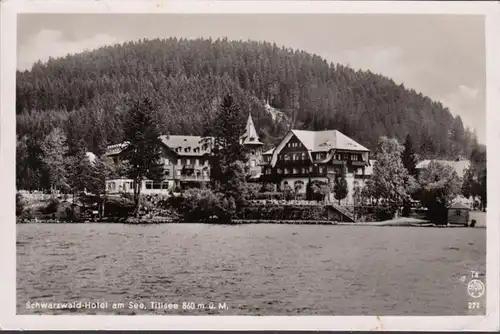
[
  {"x": 410, "y": 163},
  {"x": 408, "y": 156},
  {"x": 79, "y": 170},
  {"x": 228, "y": 155},
  {"x": 475, "y": 178},
  {"x": 340, "y": 186},
  {"x": 228, "y": 158},
  {"x": 54, "y": 150},
  {"x": 143, "y": 150}
]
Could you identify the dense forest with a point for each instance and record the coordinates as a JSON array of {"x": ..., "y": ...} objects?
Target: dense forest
[{"x": 87, "y": 95}]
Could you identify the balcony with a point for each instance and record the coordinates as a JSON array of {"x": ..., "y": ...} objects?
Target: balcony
[
  {"x": 193, "y": 177},
  {"x": 357, "y": 163},
  {"x": 290, "y": 162}
]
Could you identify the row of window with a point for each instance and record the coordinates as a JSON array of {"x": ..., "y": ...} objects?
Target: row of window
[
  {"x": 346, "y": 156},
  {"x": 179, "y": 173},
  {"x": 293, "y": 156},
  {"x": 303, "y": 170},
  {"x": 292, "y": 144},
  {"x": 187, "y": 161},
  {"x": 204, "y": 148},
  {"x": 156, "y": 185},
  {"x": 317, "y": 156},
  {"x": 188, "y": 149}
]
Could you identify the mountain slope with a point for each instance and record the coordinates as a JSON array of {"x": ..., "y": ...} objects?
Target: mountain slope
[{"x": 184, "y": 78}]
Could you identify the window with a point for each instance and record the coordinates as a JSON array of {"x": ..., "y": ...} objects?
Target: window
[
  {"x": 320, "y": 169},
  {"x": 287, "y": 157},
  {"x": 286, "y": 171},
  {"x": 167, "y": 172},
  {"x": 310, "y": 169},
  {"x": 179, "y": 162},
  {"x": 458, "y": 212},
  {"x": 164, "y": 185},
  {"x": 178, "y": 173},
  {"x": 206, "y": 162},
  {"x": 187, "y": 149},
  {"x": 253, "y": 152},
  {"x": 359, "y": 171},
  {"x": 188, "y": 161},
  {"x": 304, "y": 156},
  {"x": 337, "y": 156},
  {"x": 252, "y": 163},
  {"x": 279, "y": 171},
  {"x": 354, "y": 157},
  {"x": 157, "y": 185},
  {"x": 167, "y": 162},
  {"x": 197, "y": 162},
  {"x": 149, "y": 185},
  {"x": 295, "y": 170}
]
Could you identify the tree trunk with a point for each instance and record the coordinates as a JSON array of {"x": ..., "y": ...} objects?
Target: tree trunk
[{"x": 138, "y": 199}]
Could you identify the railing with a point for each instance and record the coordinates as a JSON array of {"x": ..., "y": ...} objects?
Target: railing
[{"x": 342, "y": 210}]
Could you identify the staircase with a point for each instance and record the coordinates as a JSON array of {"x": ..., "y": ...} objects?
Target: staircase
[{"x": 343, "y": 211}]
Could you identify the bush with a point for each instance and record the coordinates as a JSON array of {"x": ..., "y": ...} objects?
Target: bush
[
  {"x": 384, "y": 213},
  {"x": 268, "y": 188},
  {"x": 281, "y": 212},
  {"x": 19, "y": 204},
  {"x": 121, "y": 207},
  {"x": 51, "y": 207},
  {"x": 205, "y": 205},
  {"x": 270, "y": 196},
  {"x": 251, "y": 190}
]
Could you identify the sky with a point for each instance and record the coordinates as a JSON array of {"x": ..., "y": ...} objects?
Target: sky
[{"x": 441, "y": 56}]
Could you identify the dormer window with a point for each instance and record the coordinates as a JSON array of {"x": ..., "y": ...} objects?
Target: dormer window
[
  {"x": 178, "y": 149},
  {"x": 187, "y": 149}
]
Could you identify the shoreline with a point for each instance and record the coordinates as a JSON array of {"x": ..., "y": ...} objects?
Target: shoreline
[{"x": 400, "y": 222}]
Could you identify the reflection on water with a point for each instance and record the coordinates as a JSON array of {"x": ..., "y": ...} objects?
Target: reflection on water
[{"x": 253, "y": 269}]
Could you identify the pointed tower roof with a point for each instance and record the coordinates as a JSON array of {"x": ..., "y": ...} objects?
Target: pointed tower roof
[{"x": 250, "y": 137}]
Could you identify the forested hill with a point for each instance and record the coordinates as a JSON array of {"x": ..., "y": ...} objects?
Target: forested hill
[{"x": 86, "y": 94}]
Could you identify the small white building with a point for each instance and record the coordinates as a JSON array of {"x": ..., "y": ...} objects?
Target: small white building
[{"x": 148, "y": 187}]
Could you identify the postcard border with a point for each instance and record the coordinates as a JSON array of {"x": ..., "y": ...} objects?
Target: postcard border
[{"x": 8, "y": 317}]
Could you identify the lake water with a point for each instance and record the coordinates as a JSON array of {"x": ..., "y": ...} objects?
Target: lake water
[{"x": 248, "y": 269}]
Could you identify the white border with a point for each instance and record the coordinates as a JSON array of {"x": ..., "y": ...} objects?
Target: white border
[{"x": 9, "y": 320}]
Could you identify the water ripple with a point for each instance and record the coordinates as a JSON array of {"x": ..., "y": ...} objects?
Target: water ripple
[{"x": 254, "y": 269}]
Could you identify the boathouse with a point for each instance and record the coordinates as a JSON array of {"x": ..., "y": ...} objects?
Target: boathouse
[{"x": 458, "y": 213}]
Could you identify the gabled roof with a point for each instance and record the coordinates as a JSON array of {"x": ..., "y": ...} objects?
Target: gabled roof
[
  {"x": 324, "y": 141},
  {"x": 459, "y": 166},
  {"x": 186, "y": 145},
  {"x": 250, "y": 137},
  {"x": 269, "y": 152}
]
